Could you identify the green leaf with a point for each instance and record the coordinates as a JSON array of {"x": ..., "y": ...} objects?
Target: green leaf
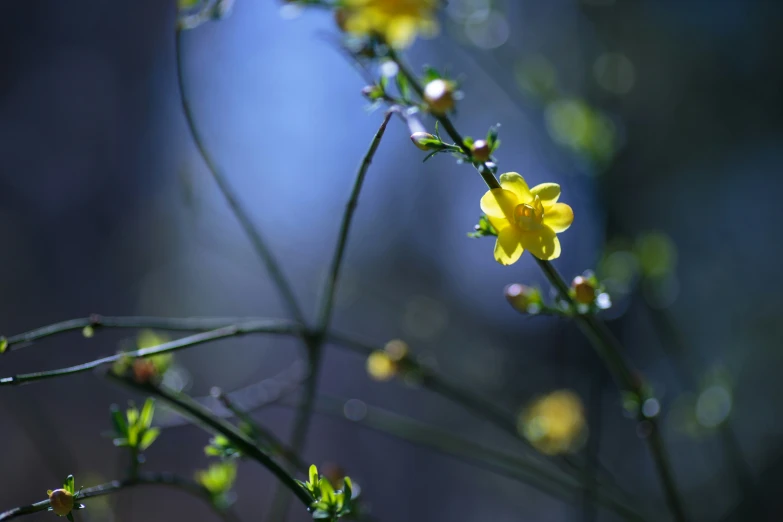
[
  {"x": 313, "y": 472},
  {"x": 383, "y": 82},
  {"x": 132, "y": 414},
  {"x": 404, "y": 87},
  {"x": 348, "y": 490},
  {"x": 133, "y": 436},
  {"x": 431, "y": 74},
  {"x": 3, "y": 344},
  {"x": 327, "y": 491},
  {"x": 69, "y": 516},
  {"x": 187, "y": 4},
  {"x": 118, "y": 419},
  {"x": 68, "y": 485},
  {"x": 147, "y": 411},
  {"x": 148, "y": 438}
]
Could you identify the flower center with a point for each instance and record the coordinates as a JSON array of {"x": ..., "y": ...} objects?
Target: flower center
[{"x": 529, "y": 216}]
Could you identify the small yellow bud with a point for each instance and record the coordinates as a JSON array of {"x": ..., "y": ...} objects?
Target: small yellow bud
[
  {"x": 481, "y": 150},
  {"x": 420, "y": 140},
  {"x": 88, "y": 331},
  {"x": 584, "y": 291},
  {"x": 380, "y": 366},
  {"x": 61, "y": 502},
  {"x": 439, "y": 95}
]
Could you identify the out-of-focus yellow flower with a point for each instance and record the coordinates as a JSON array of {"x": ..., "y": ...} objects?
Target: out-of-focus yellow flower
[
  {"x": 383, "y": 365},
  {"x": 525, "y": 218},
  {"x": 396, "y": 21},
  {"x": 554, "y": 423}
]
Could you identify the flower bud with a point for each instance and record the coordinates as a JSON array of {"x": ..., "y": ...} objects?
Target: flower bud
[
  {"x": 421, "y": 140},
  {"x": 480, "y": 150},
  {"x": 144, "y": 370},
  {"x": 61, "y": 502},
  {"x": 522, "y": 297},
  {"x": 439, "y": 95},
  {"x": 584, "y": 290}
]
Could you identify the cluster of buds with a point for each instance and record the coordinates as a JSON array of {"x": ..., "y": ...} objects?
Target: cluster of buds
[
  {"x": 383, "y": 365},
  {"x": 586, "y": 293}
]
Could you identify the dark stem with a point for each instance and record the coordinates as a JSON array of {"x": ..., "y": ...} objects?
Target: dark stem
[
  {"x": 205, "y": 419},
  {"x": 628, "y": 379},
  {"x": 144, "y": 479},
  {"x": 252, "y": 232},
  {"x": 262, "y": 326}
]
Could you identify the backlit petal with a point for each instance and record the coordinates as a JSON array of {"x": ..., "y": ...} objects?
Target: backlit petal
[
  {"x": 559, "y": 217},
  {"x": 516, "y": 184},
  {"x": 548, "y": 192},
  {"x": 498, "y": 223},
  {"x": 508, "y": 247},
  {"x": 542, "y": 243},
  {"x": 499, "y": 203}
]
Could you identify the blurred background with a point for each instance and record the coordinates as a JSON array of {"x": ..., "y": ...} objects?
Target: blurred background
[{"x": 661, "y": 120}]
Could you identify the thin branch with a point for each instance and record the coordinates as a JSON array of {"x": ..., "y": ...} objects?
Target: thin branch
[
  {"x": 316, "y": 341},
  {"x": 628, "y": 379},
  {"x": 327, "y": 302},
  {"x": 144, "y": 479},
  {"x": 263, "y": 326},
  {"x": 252, "y": 232},
  {"x": 96, "y": 321},
  {"x": 527, "y": 470},
  {"x": 600, "y": 337},
  {"x": 204, "y": 418}
]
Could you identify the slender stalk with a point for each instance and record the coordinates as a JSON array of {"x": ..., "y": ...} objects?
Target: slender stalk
[
  {"x": 96, "y": 321},
  {"x": 252, "y": 232},
  {"x": 521, "y": 468},
  {"x": 628, "y": 379},
  {"x": 315, "y": 342},
  {"x": 472, "y": 402},
  {"x": 327, "y": 302},
  {"x": 145, "y": 479},
  {"x": 263, "y": 326},
  {"x": 483, "y": 169},
  {"x": 603, "y": 341},
  {"x": 205, "y": 419}
]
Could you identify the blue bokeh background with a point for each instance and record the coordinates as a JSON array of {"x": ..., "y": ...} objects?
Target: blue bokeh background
[{"x": 106, "y": 207}]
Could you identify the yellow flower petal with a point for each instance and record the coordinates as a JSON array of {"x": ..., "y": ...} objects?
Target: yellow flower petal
[
  {"x": 548, "y": 192},
  {"x": 559, "y": 217},
  {"x": 508, "y": 248},
  {"x": 516, "y": 184},
  {"x": 499, "y": 203},
  {"x": 542, "y": 243},
  {"x": 498, "y": 223},
  {"x": 401, "y": 32}
]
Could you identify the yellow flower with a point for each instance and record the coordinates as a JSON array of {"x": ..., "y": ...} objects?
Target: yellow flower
[
  {"x": 525, "y": 218},
  {"x": 554, "y": 423},
  {"x": 396, "y": 21}
]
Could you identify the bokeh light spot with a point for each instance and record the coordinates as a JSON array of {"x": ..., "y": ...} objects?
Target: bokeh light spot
[
  {"x": 615, "y": 73},
  {"x": 713, "y": 406}
]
